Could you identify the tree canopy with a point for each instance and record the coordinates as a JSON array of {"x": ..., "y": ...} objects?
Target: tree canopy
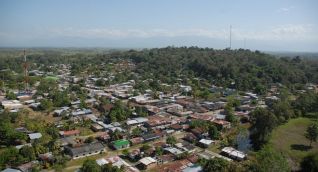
[{"x": 268, "y": 159}]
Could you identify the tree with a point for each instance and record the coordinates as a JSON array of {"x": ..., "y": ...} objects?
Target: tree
[
  {"x": 268, "y": 159},
  {"x": 229, "y": 113},
  {"x": 213, "y": 132},
  {"x": 263, "y": 122},
  {"x": 307, "y": 102},
  {"x": 136, "y": 132},
  {"x": 46, "y": 104},
  {"x": 159, "y": 151},
  {"x": 60, "y": 161},
  {"x": 115, "y": 135},
  {"x": 145, "y": 147},
  {"x": 100, "y": 83},
  {"x": 215, "y": 164},
  {"x": 283, "y": 110},
  {"x": 312, "y": 133},
  {"x": 141, "y": 111},
  {"x": 90, "y": 165},
  {"x": 171, "y": 140},
  {"x": 52, "y": 131},
  {"x": 27, "y": 152},
  {"x": 125, "y": 152},
  {"x": 60, "y": 99},
  {"x": 11, "y": 96},
  {"x": 205, "y": 94},
  {"x": 110, "y": 168},
  {"x": 310, "y": 163},
  {"x": 83, "y": 105},
  {"x": 200, "y": 124},
  {"x": 8, "y": 135},
  {"x": 195, "y": 93},
  {"x": 39, "y": 148},
  {"x": 119, "y": 112},
  {"x": 233, "y": 102},
  {"x": 89, "y": 139},
  {"x": 46, "y": 86},
  {"x": 54, "y": 147},
  {"x": 260, "y": 89},
  {"x": 11, "y": 156}
]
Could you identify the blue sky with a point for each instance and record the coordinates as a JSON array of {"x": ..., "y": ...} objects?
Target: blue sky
[{"x": 275, "y": 25}]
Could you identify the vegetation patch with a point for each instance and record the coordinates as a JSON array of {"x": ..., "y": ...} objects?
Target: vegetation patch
[{"x": 290, "y": 139}]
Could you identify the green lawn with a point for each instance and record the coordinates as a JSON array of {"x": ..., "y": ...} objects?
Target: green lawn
[{"x": 289, "y": 139}]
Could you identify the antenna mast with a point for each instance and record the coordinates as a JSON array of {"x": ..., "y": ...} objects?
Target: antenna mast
[
  {"x": 26, "y": 76},
  {"x": 230, "y": 36}
]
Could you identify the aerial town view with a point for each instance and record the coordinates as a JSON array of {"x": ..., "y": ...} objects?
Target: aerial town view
[{"x": 158, "y": 86}]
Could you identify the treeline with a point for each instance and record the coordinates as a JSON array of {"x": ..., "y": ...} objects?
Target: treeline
[
  {"x": 265, "y": 120},
  {"x": 240, "y": 69}
]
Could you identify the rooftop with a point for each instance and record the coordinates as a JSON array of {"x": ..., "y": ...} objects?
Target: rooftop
[
  {"x": 233, "y": 152},
  {"x": 121, "y": 142},
  {"x": 147, "y": 160},
  {"x": 33, "y": 136}
]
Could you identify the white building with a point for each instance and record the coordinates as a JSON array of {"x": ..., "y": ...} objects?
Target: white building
[{"x": 233, "y": 153}]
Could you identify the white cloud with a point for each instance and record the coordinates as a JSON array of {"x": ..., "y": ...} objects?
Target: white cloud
[
  {"x": 285, "y": 9},
  {"x": 136, "y": 33},
  {"x": 283, "y": 32}
]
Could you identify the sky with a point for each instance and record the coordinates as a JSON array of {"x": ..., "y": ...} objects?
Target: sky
[{"x": 271, "y": 25}]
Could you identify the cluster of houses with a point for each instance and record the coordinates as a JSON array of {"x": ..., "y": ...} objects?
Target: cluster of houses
[{"x": 167, "y": 114}]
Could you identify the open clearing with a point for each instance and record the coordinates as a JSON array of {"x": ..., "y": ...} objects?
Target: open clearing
[{"x": 290, "y": 140}]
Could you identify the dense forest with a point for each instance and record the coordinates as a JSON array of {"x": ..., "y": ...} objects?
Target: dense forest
[{"x": 240, "y": 69}]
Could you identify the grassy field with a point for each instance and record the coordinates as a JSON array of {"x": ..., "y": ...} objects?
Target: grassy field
[{"x": 289, "y": 139}]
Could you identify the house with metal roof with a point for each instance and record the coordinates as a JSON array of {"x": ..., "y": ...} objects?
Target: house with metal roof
[
  {"x": 233, "y": 153},
  {"x": 121, "y": 144},
  {"x": 206, "y": 142},
  {"x": 150, "y": 137},
  {"x": 10, "y": 170},
  {"x": 146, "y": 162},
  {"x": 34, "y": 136},
  {"x": 85, "y": 150}
]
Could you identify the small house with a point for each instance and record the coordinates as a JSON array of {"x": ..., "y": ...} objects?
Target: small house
[
  {"x": 134, "y": 155},
  {"x": 162, "y": 159},
  {"x": 190, "y": 137},
  {"x": 136, "y": 140},
  {"x": 69, "y": 133},
  {"x": 85, "y": 150},
  {"x": 233, "y": 153},
  {"x": 205, "y": 143},
  {"x": 96, "y": 127},
  {"x": 121, "y": 144},
  {"x": 150, "y": 137},
  {"x": 185, "y": 146},
  {"x": 10, "y": 170},
  {"x": 34, "y": 136},
  {"x": 147, "y": 162}
]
